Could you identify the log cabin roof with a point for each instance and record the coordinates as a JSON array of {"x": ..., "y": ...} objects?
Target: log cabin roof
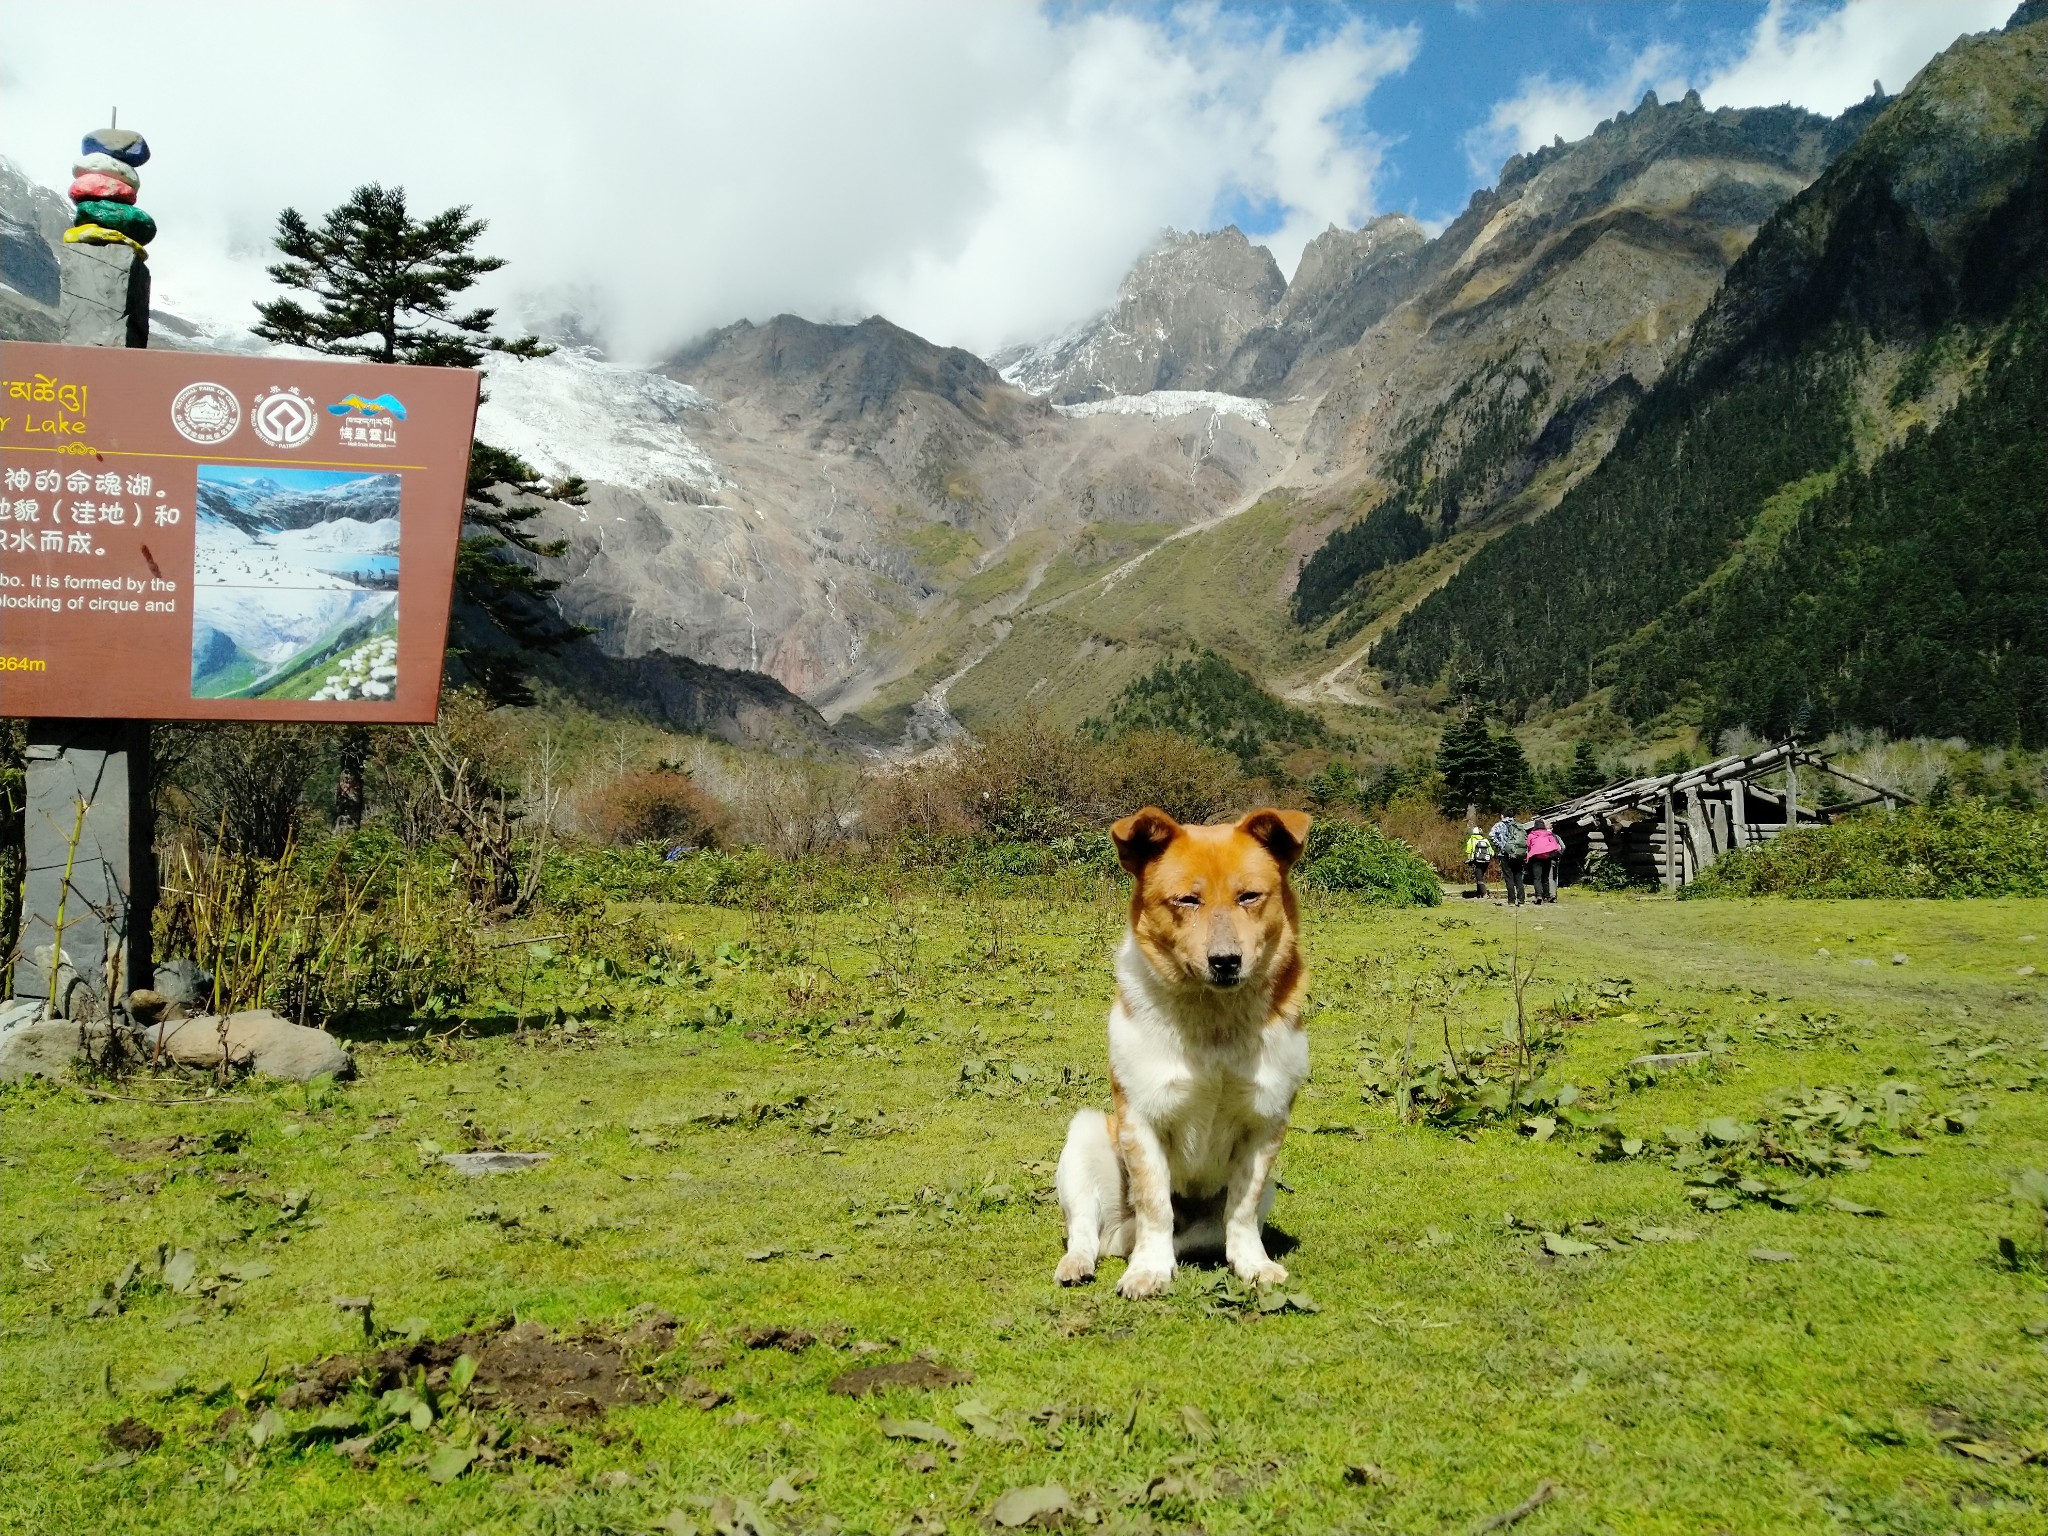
[{"x": 1632, "y": 798}]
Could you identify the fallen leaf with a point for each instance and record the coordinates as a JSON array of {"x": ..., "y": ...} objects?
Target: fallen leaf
[
  {"x": 1043, "y": 1504},
  {"x": 1665, "y": 1235},
  {"x": 450, "y": 1462},
  {"x": 1367, "y": 1474},
  {"x": 917, "y": 1429},
  {"x": 109, "y": 1464},
  {"x": 1198, "y": 1425},
  {"x": 267, "y": 1428},
  {"x": 180, "y": 1272},
  {"x": 985, "y": 1423},
  {"x": 1851, "y": 1208},
  {"x": 762, "y": 1255},
  {"x": 1773, "y": 1256},
  {"x": 784, "y": 1489},
  {"x": 1567, "y": 1247}
]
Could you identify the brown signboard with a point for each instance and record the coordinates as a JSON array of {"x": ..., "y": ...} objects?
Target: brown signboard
[{"x": 189, "y": 536}]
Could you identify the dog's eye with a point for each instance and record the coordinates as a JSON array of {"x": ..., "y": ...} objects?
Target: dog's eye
[
  {"x": 1187, "y": 903},
  {"x": 1251, "y": 898}
]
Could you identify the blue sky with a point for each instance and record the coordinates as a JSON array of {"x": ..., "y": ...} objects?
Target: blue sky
[
  {"x": 980, "y": 171},
  {"x": 1436, "y": 120}
]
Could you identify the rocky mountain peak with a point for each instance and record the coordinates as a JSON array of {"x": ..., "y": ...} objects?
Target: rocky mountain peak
[{"x": 1180, "y": 312}]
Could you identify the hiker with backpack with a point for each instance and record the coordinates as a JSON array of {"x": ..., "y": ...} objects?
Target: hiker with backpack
[
  {"x": 1479, "y": 854},
  {"x": 1511, "y": 841},
  {"x": 1546, "y": 852}
]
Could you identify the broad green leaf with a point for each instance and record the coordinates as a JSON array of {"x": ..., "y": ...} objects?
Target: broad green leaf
[
  {"x": 461, "y": 1374},
  {"x": 1851, "y": 1208},
  {"x": 1567, "y": 1247},
  {"x": 1665, "y": 1235}
]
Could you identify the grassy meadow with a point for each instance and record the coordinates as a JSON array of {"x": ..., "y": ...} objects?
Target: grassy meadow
[{"x": 1642, "y": 1300}]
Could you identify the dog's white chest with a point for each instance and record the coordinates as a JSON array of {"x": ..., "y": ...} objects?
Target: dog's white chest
[{"x": 1206, "y": 1095}]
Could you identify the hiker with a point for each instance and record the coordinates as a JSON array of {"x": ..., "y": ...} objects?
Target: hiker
[
  {"x": 1479, "y": 854},
  {"x": 1546, "y": 851},
  {"x": 1510, "y": 840}
]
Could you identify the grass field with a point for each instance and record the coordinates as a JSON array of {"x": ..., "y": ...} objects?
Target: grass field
[{"x": 844, "y": 1127}]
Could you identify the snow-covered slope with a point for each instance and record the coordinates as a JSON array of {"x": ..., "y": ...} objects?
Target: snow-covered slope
[
  {"x": 1167, "y": 403},
  {"x": 573, "y": 413}
]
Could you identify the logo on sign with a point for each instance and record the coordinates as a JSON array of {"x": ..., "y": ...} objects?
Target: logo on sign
[
  {"x": 283, "y": 418},
  {"x": 206, "y": 413},
  {"x": 368, "y": 423}
]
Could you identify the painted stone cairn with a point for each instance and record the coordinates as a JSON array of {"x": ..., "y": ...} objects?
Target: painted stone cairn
[{"x": 105, "y": 180}]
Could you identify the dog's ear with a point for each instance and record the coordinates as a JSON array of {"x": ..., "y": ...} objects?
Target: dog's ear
[
  {"x": 1142, "y": 836},
  {"x": 1283, "y": 834}
]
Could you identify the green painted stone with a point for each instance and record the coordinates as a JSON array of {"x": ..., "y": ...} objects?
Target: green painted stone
[{"x": 122, "y": 218}]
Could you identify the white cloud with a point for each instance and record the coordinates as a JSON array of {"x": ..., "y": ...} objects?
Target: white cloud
[
  {"x": 1825, "y": 61},
  {"x": 979, "y": 173},
  {"x": 1823, "y": 58}
]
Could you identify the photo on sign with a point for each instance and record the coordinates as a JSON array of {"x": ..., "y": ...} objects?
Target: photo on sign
[{"x": 295, "y": 584}]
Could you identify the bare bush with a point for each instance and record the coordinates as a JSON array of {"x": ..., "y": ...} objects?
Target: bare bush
[
  {"x": 242, "y": 784},
  {"x": 1415, "y": 820},
  {"x": 1030, "y": 782},
  {"x": 797, "y": 806}
]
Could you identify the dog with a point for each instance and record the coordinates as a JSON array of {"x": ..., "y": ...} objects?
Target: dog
[{"x": 1206, "y": 1055}]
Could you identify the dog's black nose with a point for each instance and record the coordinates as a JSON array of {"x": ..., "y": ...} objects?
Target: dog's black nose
[{"x": 1224, "y": 970}]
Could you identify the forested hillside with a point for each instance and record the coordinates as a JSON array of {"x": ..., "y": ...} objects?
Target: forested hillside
[
  {"x": 1912, "y": 596},
  {"x": 1730, "y": 509}
]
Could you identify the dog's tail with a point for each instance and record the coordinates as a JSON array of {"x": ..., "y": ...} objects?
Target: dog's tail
[{"x": 1090, "y": 1185}]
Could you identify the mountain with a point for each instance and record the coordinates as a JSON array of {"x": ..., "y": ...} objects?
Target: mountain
[
  {"x": 1729, "y": 555},
  {"x": 1346, "y": 282},
  {"x": 861, "y": 508},
  {"x": 1433, "y": 392},
  {"x": 1179, "y": 315}
]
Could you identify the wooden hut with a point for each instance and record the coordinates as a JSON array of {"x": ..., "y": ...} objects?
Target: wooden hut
[{"x": 1668, "y": 827}]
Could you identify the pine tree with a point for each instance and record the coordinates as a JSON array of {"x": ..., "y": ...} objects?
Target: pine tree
[
  {"x": 1584, "y": 776},
  {"x": 383, "y": 286},
  {"x": 1468, "y": 760},
  {"x": 1512, "y": 784}
]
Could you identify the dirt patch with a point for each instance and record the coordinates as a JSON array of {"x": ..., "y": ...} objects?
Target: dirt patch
[
  {"x": 134, "y": 1436},
  {"x": 923, "y": 1373},
  {"x": 526, "y": 1367},
  {"x": 793, "y": 1340}
]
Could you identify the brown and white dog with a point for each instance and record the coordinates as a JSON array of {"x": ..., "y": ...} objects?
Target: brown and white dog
[{"x": 1206, "y": 1054}]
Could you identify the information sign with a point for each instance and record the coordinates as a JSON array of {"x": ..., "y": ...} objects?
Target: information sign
[{"x": 188, "y": 535}]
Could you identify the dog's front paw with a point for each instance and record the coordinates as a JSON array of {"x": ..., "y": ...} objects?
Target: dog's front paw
[
  {"x": 1260, "y": 1271},
  {"x": 1074, "y": 1269},
  {"x": 1140, "y": 1284}
]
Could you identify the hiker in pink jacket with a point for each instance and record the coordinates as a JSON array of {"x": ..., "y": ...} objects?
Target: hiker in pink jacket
[{"x": 1545, "y": 850}]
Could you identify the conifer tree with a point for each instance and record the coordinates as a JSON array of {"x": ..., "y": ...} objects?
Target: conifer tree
[
  {"x": 382, "y": 285},
  {"x": 1467, "y": 759}
]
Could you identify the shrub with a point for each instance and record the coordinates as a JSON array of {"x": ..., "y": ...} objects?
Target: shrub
[
  {"x": 652, "y": 805},
  {"x": 1415, "y": 820},
  {"x": 1032, "y": 783},
  {"x": 1965, "y": 848},
  {"x": 1352, "y": 856}
]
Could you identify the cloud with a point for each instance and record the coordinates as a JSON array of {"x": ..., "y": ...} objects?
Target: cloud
[
  {"x": 1825, "y": 61},
  {"x": 980, "y": 173},
  {"x": 1808, "y": 55}
]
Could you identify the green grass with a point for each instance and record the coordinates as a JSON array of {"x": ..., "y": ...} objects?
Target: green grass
[{"x": 1884, "y": 1380}]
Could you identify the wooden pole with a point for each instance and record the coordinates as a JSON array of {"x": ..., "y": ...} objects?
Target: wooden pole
[
  {"x": 1670, "y": 845},
  {"x": 1792, "y": 791},
  {"x": 1738, "y": 807}
]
